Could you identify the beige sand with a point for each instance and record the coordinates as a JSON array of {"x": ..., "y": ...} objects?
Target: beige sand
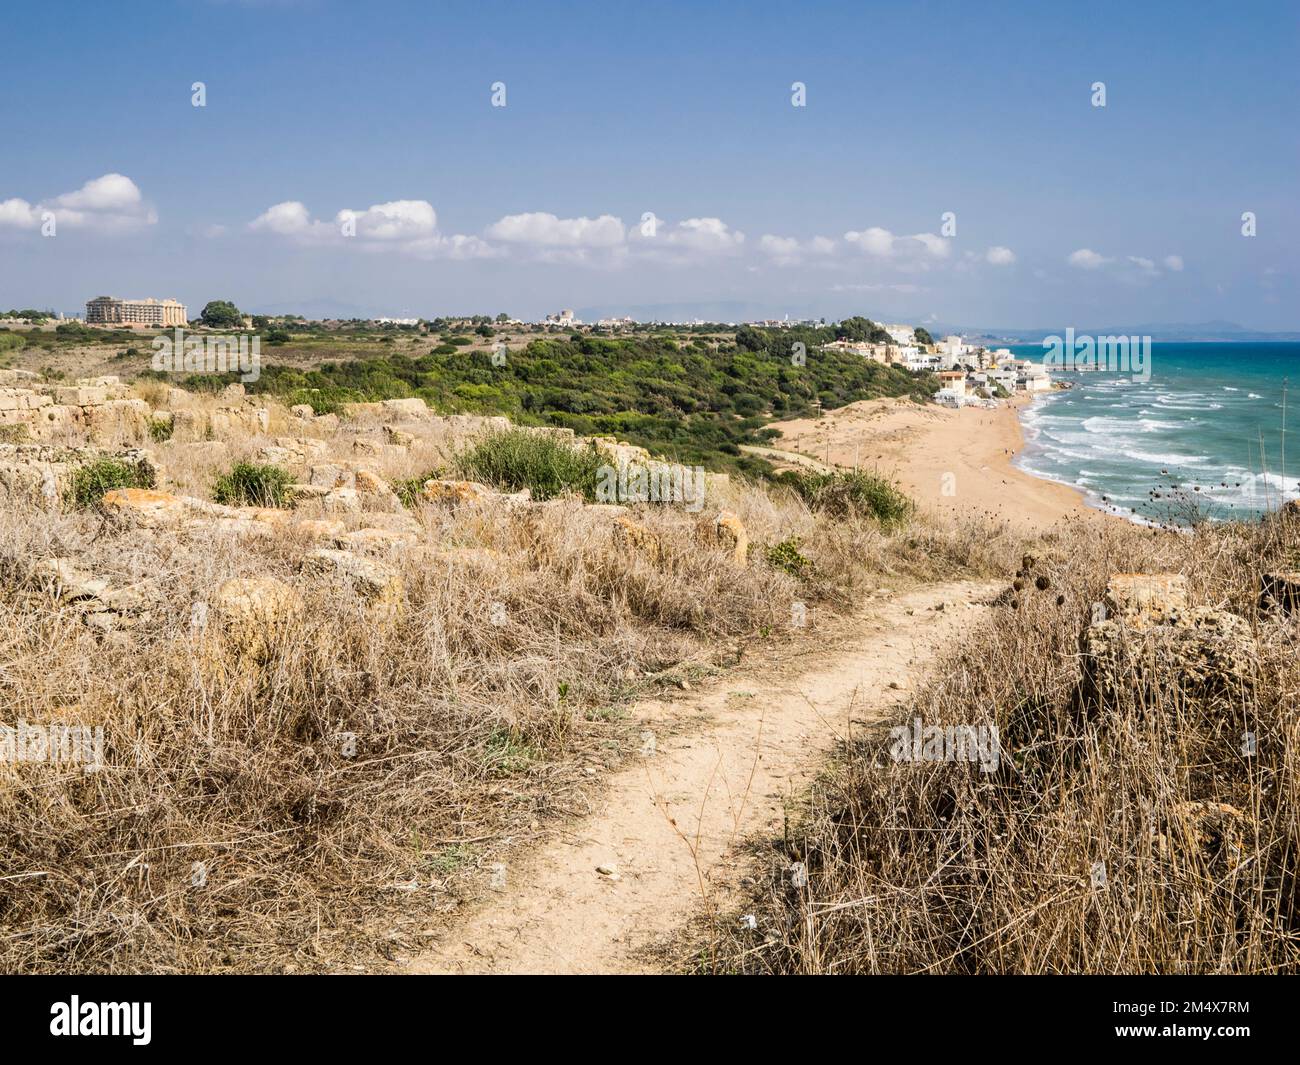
[
  {"x": 949, "y": 461},
  {"x": 727, "y": 763}
]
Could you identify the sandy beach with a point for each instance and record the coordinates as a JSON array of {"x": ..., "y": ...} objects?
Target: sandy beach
[{"x": 949, "y": 461}]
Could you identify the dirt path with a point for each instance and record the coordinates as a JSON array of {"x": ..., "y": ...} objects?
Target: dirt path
[
  {"x": 725, "y": 763},
  {"x": 786, "y": 458}
]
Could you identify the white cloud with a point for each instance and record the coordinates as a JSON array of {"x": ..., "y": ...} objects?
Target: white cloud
[
  {"x": 112, "y": 202},
  {"x": 883, "y": 244},
  {"x": 938, "y": 247},
  {"x": 112, "y": 192},
  {"x": 873, "y": 241},
  {"x": 398, "y": 220},
  {"x": 287, "y": 219},
  {"x": 789, "y": 250},
  {"x": 1000, "y": 256},
  {"x": 19, "y": 213},
  {"x": 704, "y": 234},
  {"x": 406, "y": 226},
  {"x": 1174, "y": 263},
  {"x": 542, "y": 228},
  {"x": 1087, "y": 259}
]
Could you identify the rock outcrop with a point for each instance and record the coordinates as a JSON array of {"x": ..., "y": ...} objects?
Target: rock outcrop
[
  {"x": 375, "y": 584},
  {"x": 253, "y": 614},
  {"x": 100, "y": 605},
  {"x": 43, "y": 473},
  {"x": 1150, "y": 640},
  {"x": 99, "y": 409},
  {"x": 469, "y": 492},
  {"x": 728, "y": 532}
]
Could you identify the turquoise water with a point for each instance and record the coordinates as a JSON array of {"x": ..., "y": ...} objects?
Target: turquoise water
[{"x": 1204, "y": 436}]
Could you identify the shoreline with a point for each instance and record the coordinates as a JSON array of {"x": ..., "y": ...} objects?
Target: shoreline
[{"x": 952, "y": 462}]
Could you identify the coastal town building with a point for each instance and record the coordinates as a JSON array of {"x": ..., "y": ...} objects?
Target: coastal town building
[
  {"x": 134, "y": 314},
  {"x": 953, "y": 381},
  {"x": 876, "y": 352},
  {"x": 902, "y": 335}
]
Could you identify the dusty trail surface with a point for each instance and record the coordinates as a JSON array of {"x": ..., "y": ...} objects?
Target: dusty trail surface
[{"x": 725, "y": 762}]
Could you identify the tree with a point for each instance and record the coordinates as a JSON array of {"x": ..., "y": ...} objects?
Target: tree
[
  {"x": 923, "y": 336},
  {"x": 750, "y": 338},
  {"x": 856, "y": 328},
  {"x": 221, "y": 314}
]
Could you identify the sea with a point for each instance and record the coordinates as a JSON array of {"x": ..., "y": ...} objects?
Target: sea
[{"x": 1210, "y": 436}]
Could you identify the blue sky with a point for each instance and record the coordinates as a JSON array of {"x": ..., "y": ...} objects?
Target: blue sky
[{"x": 1066, "y": 213}]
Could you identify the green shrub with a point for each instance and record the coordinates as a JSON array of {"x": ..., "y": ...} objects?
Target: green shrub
[
  {"x": 444, "y": 349},
  {"x": 408, "y": 488},
  {"x": 319, "y": 402},
  {"x": 91, "y": 481},
  {"x": 786, "y": 557},
  {"x": 848, "y": 492},
  {"x": 250, "y": 484},
  {"x": 514, "y": 459},
  {"x": 161, "y": 429}
]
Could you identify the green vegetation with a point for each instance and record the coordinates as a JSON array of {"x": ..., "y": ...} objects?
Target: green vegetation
[
  {"x": 508, "y": 753},
  {"x": 408, "y": 488},
  {"x": 851, "y": 492},
  {"x": 686, "y": 396},
  {"x": 250, "y": 484},
  {"x": 91, "y": 481},
  {"x": 221, "y": 314},
  {"x": 75, "y": 331},
  {"x": 515, "y": 460},
  {"x": 786, "y": 557},
  {"x": 161, "y": 429}
]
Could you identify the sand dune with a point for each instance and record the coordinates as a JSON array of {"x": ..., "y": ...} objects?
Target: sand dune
[{"x": 950, "y": 461}]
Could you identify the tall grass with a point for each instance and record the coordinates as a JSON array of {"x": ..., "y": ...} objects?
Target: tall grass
[
  {"x": 231, "y": 830},
  {"x": 515, "y": 459},
  {"x": 1080, "y": 854},
  {"x": 844, "y": 493},
  {"x": 252, "y": 484}
]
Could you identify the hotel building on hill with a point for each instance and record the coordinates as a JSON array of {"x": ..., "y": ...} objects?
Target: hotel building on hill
[{"x": 107, "y": 310}]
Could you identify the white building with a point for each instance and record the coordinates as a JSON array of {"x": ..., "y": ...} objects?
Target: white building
[
  {"x": 924, "y": 362},
  {"x": 953, "y": 381},
  {"x": 901, "y": 335},
  {"x": 1034, "y": 377}
]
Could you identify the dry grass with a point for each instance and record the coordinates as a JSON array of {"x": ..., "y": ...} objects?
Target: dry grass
[
  {"x": 469, "y": 735},
  {"x": 936, "y": 867}
]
